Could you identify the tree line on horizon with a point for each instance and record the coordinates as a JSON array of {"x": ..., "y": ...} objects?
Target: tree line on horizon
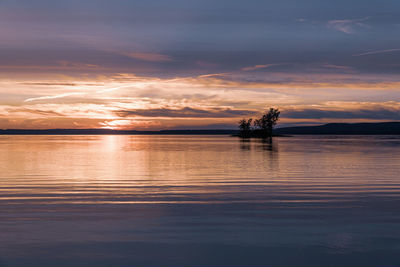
[{"x": 261, "y": 127}]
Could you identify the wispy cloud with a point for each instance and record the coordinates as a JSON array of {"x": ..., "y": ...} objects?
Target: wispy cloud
[
  {"x": 214, "y": 75},
  {"x": 348, "y": 26},
  {"x": 77, "y": 65},
  {"x": 257, "y": 67},
  {"x": 338, "y": 67},
  {"x": 152, "y": 57},
  {"x": 53, "y": 96},
  {"x": 101, "y": 91},
  {"x": 113, "y": 89},
  {"x": 59, "y": 65},
  {"x": 378, "y": 52}
]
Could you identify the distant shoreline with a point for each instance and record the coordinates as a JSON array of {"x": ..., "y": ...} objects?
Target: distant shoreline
[
  {"x": 381, "y": 128},
  {"x": 384, "y": 128}
]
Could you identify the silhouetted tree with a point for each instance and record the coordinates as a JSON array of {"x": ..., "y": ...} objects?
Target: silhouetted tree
[
  {"x": 245, "y": 128},
  {"x": 267, "y": 122}
]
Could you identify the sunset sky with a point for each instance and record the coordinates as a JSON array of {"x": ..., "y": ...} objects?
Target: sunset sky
[{"x": 191, "y": 64}]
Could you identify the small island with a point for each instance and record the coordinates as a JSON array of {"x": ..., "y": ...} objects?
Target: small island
[{"x": 260, "y": 128}]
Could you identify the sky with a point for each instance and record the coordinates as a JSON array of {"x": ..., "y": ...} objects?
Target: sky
[{"x": 190, "y": 64}]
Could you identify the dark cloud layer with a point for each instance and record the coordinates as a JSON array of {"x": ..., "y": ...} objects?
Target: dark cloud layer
[
  {"x": 197, "y": 36},
  {"x": 186, "y": 112}
]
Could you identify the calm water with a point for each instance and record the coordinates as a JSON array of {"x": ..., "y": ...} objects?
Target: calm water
[{"x": 199, "y": 201}]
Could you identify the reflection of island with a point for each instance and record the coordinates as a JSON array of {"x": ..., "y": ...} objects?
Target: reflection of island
[{"x": 259, "y": 144}]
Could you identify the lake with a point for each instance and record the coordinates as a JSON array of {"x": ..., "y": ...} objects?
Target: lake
[{"x": 199, "y": 201}]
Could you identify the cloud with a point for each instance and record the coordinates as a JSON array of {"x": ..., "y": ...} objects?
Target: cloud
[
  {"x": 107, "y": 90},
  {"x": 338, "y": 67},
  {"x": 53, "y": 96},
  {"x": 61, "y": 65},
  {"x": 152, "y": 57},
  {"x": 59, "y": 84},
  {"x": 257, "y": 67},
  {"x": 214, "y": 75},
  {"x": 347, "y": 26},
  {"x": 35, "y": 111},
  {"x": 77, "y": 65},
  {"x": 200, "y": 100},
  {"x": 378, "y": 52},
  {"x": 186, "y": 112}
]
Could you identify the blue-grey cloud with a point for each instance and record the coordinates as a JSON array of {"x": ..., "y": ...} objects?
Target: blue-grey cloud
[
  {"x": 378, "y": 52},
  {"x": 157, "y": 37},
  {"x": 348, "y": 26}
]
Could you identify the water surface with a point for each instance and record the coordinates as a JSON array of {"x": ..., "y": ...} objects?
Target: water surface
[{"x": 199, "y": 201}]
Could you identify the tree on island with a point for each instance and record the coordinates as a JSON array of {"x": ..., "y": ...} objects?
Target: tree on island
[
  {"x": 262, "y": 127},
  {"x": 245, "y": 128}
]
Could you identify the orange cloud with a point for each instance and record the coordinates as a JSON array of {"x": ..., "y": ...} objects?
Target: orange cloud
[{"x": 131, "y": 101}]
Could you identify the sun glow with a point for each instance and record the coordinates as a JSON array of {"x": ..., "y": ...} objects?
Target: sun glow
[{"x": 117, "y": 124}]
